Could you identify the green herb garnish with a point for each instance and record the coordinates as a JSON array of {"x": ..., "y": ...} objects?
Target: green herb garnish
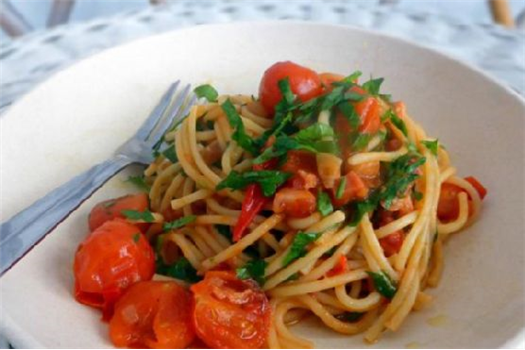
[
  {"x": 373, "y": 85},
  {"x": 341, "y": 188},
  {"x": 383, "y": 284},
  {"x": 207, "y": 91},
  {"x": 170, "y": 154},
  {"x": 253, "y": 269},
  {"x": 182, "y": 270},
  {"x": 269, "y": 180},
  {"x": 135, "y": 215},
  {"x": 173, "y": 225},
  {"x": 324, "y": 203},
  {"x": 224, "y": 230},
  {"x": 239, "y": 135},
  {"x": 136, "y": 237},
  {"x": 432, "y": 146},
  {"x": 298, "y": 246}
]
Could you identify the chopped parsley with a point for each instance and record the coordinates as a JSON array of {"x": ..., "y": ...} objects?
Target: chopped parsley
[
  {"x": 350, "y": 316},
  {"x": 181, "y": 269},
  {"x": 239, "y": 135},
  {"x": 207, "y": 91},
  {"x": 173, "y": 225},
  {"x": 269, "y": 180},
  {"x": 383, "y": 284},
  {"x": 224, "y": 230},
  {"x": 135, "y": 215},
  {"x": 298, "y": 246},
  {"x": 253, "y": 269},
  {"x": 324, "y": 203},
  {"x": 373, "y": 85},
  {"x": 341, "y": 188},
  {"x": 432, "y": 146},
  {"x": 170, "y": 154}
]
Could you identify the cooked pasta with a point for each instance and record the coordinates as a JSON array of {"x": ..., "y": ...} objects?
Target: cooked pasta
[{"x": 338, "y": 206}]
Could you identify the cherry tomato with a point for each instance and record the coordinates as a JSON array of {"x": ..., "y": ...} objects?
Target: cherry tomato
[
  {"x": 153, "y": 314},
  {"x": 304, "y": 82},
  {"x": 355, "y": 189},
  {"x": 110, "y": 259},
  {"x": 230, "y": 313},
  {"x": 295, "y": 203},
  {"x": 369, "y": 111},
  {"x": 478, "y": 186},
  {"x": 392, "y": 243},
  {"x": 111, "y": 209}
]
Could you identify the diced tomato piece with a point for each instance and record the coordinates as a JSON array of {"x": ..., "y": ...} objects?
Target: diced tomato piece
[
  {"x": 300, "y": 160},
  {"x": 230, "y": 313},
  {"x": 368, "y": 172},
  {"x": 355, "y": 189},
  {"x": 110, "y": 259},
  {"x": 478, "y": 186},
  {"x": 153, "y": 314},
  {"x": 303, "y": 180},
  {"x": 304, "y": 83},
  {"x": 340, "y": 267},
  {"x": 393, "y": 144},
  {"x": 111, "y": 209},
  {"x": 294, "y": 203},
  {"x": 369, "y": 111},
  {"x": 392, "y": 243}
]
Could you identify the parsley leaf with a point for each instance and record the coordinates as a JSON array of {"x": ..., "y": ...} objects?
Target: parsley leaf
[
  {"x": 136, "y": 237},
  {"x": 400, "y": 175},
  {"x": 239, "y": 135},
  {"x": 383, "y": 284},
  {"x": 253, "y": 269},
  {"x": 360, "y": 141},
  {"x": 286, "y": 92},
  {"x": 417, "y": 195},
  {"x": 349, "y": 113},
  {"x": 173, "y": 225},
  {"x": 207, "y": 91},
  {"x": 314, "y": 133},
  {"x": 341, "y": 188},
  {"x": 324, "y": 203},
  {"x": 298, "y": 246},
  {"x": 140, "y": 182},
  {"x": 269, "y": 180},
  {"x": 398, "y": 122},
  {"x": 145, "y": 216},
  {"x": 373, "y": 85},
  {"x": 432, "y": 146},
  {"x": 181, "y": 269}
]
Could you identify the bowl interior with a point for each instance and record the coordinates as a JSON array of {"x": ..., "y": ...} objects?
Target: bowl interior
[{"x": 81, "y": 115}]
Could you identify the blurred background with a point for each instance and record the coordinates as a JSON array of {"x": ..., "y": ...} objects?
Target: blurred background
[{"x": 40, "y": 37}]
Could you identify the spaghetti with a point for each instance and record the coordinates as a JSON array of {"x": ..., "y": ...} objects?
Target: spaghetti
[{"x": 354, "y": 203}]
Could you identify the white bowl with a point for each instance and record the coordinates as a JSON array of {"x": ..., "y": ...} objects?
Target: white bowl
[{"x": 80, "y": 116}]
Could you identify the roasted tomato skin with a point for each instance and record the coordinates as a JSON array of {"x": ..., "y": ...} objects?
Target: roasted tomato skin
[
  {"x": 110, "y": 259},
  {"x": 112, "y": 209},
  {"x": 294, "y": 202},
  {"x": 229, "y": 313},
  {"x": 153, "y": 314}
]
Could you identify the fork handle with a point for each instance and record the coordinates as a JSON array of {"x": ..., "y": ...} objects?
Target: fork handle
[{"x": 19, "y": 234}]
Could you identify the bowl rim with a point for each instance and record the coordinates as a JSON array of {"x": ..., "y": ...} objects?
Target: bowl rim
[{"x": 19, "y": 338}]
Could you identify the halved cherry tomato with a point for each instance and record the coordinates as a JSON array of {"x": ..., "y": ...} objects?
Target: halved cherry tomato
[
  {"x": 110, "y": 259},
  {"x": 478, "y": 186},
  {"x": 340, "y": 267},
  {"x": 304, "y": 82},
  {"x": 111, "y": 209},
  {"x": 368, "y": 172},
  {"x": 230, "y": 313},
  {"x": 153, "y": 314},
  {"x": 369, "y": 110},
  {"x": 355, "y": 189},
  {"x": 448, "y": 205},
  {"x": 392, "y": 243},
  {"x": 295, "y": 203}
]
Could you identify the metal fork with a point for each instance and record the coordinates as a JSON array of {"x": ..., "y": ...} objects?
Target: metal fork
[{"x": 19, "y": 234}]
